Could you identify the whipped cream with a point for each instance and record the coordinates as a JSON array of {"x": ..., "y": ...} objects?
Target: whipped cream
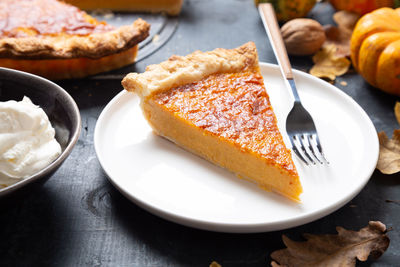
[{"x": 27, "y": 142}]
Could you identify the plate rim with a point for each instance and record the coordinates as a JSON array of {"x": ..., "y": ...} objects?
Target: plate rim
[{"x": 249, "y": 227}]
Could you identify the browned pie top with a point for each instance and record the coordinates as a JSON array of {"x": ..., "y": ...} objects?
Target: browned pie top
[
  {"x": 21, "y": 18},
  {"x": 51, "y": 29},
  {"x": 234, "y": 106}
]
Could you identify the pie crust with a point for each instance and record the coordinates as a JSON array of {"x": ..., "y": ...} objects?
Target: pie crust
[
  {"x": 64, "y": 46},
  {"x": 179, "y": 70}
]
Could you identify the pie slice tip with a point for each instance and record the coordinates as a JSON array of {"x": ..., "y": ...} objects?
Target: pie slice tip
[{"x": 215, "y": 105}]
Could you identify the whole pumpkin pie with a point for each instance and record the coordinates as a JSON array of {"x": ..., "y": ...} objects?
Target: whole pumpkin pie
[
  {"x": 58, "y": 41},
  {"x": 171, "y": 7},
  {"x": 215, "y": 105}
]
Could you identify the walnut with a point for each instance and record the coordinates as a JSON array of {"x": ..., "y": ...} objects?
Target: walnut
[{"x": 303, "y": 37}]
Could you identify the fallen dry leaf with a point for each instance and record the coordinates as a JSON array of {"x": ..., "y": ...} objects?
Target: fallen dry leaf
[
  {"x": 215, "y": 264},
  {"x": 397, "y": 111},
  {"x": 389, "y": 153},
  {"x": 340, "y": 35},
  {"x": 389, "y": 149},
  {"x": 334, "y": 250},
  {"x": 327, "y": 64},
  {"x": 346, "y": 19},
  {"x": 338, "y": 38},
  {"x": 331, "y": 60}
]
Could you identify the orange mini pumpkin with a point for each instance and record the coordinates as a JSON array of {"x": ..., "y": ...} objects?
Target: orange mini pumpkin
[
  {"x": 363, "y": 6},
  {"x": 375, "y": 49}
]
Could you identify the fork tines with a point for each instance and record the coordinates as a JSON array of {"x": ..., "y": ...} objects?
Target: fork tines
[{"x": 308, "y": 148}]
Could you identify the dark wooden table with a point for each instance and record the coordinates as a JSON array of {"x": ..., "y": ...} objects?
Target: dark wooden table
[{"x": 78, "y": 218}]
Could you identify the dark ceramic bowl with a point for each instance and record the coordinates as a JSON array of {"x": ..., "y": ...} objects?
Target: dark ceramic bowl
[{"x": 59, "y": 106}]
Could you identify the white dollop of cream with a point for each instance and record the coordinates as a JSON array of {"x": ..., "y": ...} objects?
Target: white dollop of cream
[{"x": 27, "y": 141}]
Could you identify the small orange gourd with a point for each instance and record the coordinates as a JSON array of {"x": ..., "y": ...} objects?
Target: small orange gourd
[
  {"x": 363, "y": 6},
  {"x": 375, "y": 49}
]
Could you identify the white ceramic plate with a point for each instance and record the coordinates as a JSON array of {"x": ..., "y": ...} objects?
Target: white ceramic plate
[{"x": 179, "y": 186}]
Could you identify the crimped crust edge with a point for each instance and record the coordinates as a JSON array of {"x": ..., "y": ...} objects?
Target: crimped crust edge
[
  {"x": 180, "y": 70},
  {"x": 93, "y": 46}
]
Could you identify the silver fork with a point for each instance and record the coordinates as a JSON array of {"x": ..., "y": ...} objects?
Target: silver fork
[{"x": 299, "y": 124}]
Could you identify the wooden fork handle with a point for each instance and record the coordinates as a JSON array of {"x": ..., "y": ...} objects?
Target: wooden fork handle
[{"x": 270, "y": 22}]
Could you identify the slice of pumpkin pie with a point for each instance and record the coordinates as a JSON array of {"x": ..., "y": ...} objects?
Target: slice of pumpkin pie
[{"x": 215, "y": 105}]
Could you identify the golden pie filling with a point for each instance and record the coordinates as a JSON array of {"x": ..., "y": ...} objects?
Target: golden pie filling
[
  {"x": 236, "y": 107},
  {"x": 33, "y": 34},
  {"x": 25, "y": 18}
]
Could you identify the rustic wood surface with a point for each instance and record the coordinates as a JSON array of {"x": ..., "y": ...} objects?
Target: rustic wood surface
[{"x": 78, "y": 218}]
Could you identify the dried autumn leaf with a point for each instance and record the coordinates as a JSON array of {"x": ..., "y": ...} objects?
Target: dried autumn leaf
[
  {"x": 334, "y": 250},
  {"x": 332, "y": 60},
  {"x": 389, "y": 149},
  {"x": 346, "y": 19},
  {"x": 328, "y": 65},
  {"x": 397, "y": 111},
  {"x": 389, "y": 153},
  {"x": 215, "y": 264},
  {"x": 340, "y": 36}
]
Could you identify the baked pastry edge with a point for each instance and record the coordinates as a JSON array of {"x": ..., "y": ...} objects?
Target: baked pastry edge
[
  {"x": 93, "y": 46},
  {"x": 180, "y": 70}
]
